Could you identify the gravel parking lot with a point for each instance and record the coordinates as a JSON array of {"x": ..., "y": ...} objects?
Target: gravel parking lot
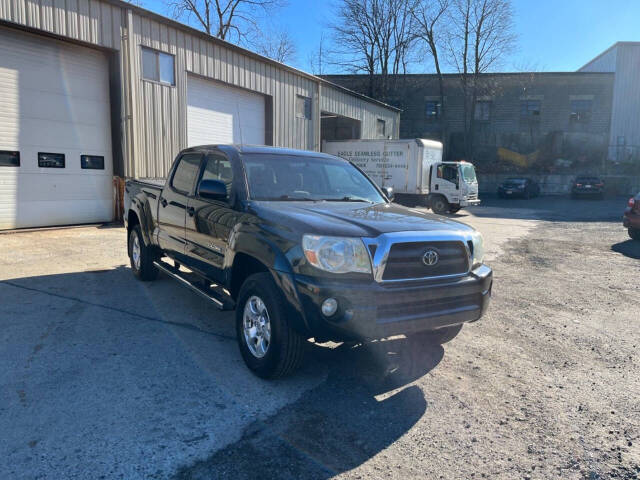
[{"x": 106, "y": 377}]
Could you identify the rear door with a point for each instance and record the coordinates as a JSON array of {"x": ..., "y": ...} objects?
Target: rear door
[
  {"x": 172, "y": 205},
  {"x": 209, "y": 222}
]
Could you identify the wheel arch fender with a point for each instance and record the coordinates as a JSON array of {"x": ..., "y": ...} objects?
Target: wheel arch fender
[
  {"x": 139, "y": 213},
  {"x": 250, "y": 252}
]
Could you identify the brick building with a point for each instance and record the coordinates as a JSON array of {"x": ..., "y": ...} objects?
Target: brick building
[{"x": 553, "y": 120}]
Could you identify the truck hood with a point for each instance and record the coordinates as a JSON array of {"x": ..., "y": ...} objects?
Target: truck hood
[{"x": 351, "y": 219}]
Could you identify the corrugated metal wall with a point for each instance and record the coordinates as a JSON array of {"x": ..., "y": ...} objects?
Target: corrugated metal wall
[
  {"x": 89, "y": 21},
  {"x": 623, "y": 59},
  {"x": 159, "y": 113},
  {"x": 340, "y": 102},
  {"x": 154, "y": 125},
  {"x": 605, "y": 62},
  {"x": 625, "y": 119}
]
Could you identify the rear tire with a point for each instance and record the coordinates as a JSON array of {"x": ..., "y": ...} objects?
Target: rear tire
[
  {"x": 141, "y": 256},
  {"x": 439, "y": 336},
  {"x": 261, "y": 317},
  {"x": 634, "y": 233},
  {"x": 440, "y": 205}
]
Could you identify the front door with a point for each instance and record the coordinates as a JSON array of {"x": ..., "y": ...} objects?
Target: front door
[
  {"x": 172, "y": 205},
  {"x": 446, "y": 181},
  {"x": 209, "y": 222}
]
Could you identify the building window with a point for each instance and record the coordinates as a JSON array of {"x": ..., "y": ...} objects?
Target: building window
[
  {"x": 92, "y": 162},
  {"x": 581, "y": 111},
  {"x": 482, "y": 111},
  {"x": 432, "y": 109},
  {"x": 50, "y": 160},
  {"x": 9, "y": 158},
  {"x": 158, "y": 66},
  {"x": 530, "y": 108},
  {"x": 381, "y": 128},
  {"x": 303, "y": 107}
]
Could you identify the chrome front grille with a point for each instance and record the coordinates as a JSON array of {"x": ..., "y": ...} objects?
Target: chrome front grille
[
  {"x": 405, "y": 260},
  {"x": 400, "y": 256}
]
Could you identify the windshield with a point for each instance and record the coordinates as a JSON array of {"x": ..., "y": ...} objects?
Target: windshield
[
  {"x": 468, "y": 173},
  {"x": 296, "y": 178},
  {"x": 515, "y": 180}
]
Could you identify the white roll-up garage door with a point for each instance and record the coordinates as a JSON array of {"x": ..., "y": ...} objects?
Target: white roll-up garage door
[
  {"x": 219, "y": 114},
  {"x": 54, "y": 99}
]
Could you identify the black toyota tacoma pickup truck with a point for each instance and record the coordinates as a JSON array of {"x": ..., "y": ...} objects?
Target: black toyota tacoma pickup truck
[{"x": 303, "y": 245}]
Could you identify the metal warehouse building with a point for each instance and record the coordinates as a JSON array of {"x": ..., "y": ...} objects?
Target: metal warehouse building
[{"x": 96, "y": 89}]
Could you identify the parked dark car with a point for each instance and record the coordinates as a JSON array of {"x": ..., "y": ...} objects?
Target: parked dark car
[
  {"x": 631, "y": 218},
  {"x": 519, "y": 187},
  {"x": 301, "y": 245},
  {"x": 587, "y": 186}
]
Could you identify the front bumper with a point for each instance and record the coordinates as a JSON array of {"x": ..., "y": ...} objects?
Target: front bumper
[
  {"x": 511, "y": 192},
  {"x": 377, "y": 310},
  {"x": 587, "y": 191},
  {"x": 468, "y": 203}
]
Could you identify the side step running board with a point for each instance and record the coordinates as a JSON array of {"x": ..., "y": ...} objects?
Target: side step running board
[{"x": 220, "y": 300}]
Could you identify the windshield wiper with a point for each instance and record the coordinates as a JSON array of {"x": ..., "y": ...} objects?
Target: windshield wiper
[
  {"x": 293, "y": 199},
  {"x": 347, "y": 199}
]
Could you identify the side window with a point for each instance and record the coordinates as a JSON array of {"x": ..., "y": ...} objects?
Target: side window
[
  {"x": 447, "y": 172},
  {"x": 92, "y": 162},
  {"x": 303, "y": 107},
  {"x": 9, "y": 158},
  {"x": 158, "y": 66},
  {"x": 50, "y": 160},
  {"x": 218, "y": 167},
  {"x": 186, "y": 173}
]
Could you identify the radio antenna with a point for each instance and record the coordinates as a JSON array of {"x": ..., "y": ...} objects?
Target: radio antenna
[{"x": 239, "y": 121}]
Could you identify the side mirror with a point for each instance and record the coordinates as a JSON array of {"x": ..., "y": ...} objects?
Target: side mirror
[
  {"x": 388, "y": 191},
  {"x": 213, "y": 190}
]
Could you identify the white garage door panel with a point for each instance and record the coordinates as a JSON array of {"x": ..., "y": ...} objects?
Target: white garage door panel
[
  {"x": 55, "y": 99},
  {"x": 218, "y": 114}
]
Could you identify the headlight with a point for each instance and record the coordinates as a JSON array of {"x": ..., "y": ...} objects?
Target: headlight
[
  {"x": 336, "y": 254},
  {"x": 478, "y": 248}
]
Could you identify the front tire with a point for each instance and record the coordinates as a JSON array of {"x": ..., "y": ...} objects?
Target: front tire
[
  {"x": 455, "y": 209},
  {"x": 634, "y": 233},
  {"x": 270, "y": 347},
  {"x": 141, "y": 256},
  {"x": 440, "y": 205}
]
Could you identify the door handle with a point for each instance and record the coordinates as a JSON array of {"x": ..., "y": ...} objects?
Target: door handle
[
  {"x": 191, "y": 211},
  {"x": 163, "y": 202},
  {"x": 436, "y": 186}
]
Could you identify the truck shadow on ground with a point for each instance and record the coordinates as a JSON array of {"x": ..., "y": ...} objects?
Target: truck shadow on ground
[
  {"x": 362, "y": 408},
  {"x": 365, "y": 404},
  {"x": 628, "y": 248}
]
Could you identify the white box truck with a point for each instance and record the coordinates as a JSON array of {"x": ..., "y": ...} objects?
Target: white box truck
[{"x": 414, "y": 169}]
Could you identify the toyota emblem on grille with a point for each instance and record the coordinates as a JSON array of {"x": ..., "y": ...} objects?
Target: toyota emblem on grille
[{"x": 430, "y": 257}]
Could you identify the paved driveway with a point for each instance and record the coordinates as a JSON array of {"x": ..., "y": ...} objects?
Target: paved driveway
[{"x": 106, "y": 377}]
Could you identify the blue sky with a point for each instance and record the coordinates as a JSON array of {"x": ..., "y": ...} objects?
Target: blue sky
[{"x": 553, "y": 35}]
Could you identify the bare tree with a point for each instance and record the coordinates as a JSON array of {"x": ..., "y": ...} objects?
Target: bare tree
[
  {"x": 277, "y": 45},
  {"x": 231, "y": 20},
  {"x": 430, "y": 17},
  {"x": 481, "y": 36},
  {"x": 317, "y": 58},
  {"x": 374, "y": 37}
]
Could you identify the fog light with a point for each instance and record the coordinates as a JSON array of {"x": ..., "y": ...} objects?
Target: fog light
[{"x": 329, "y": 307}]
